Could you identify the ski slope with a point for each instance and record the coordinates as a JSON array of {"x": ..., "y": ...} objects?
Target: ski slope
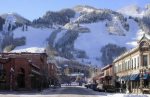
[{"x": 35, "y": 39}]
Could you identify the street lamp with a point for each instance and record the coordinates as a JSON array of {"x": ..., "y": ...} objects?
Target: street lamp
[{"x": 141, "y": 80}]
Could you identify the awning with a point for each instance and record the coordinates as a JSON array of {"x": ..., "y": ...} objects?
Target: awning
[
  {"x": 146, "y": 76},
  {"x": 134, "y": 77},
  {"x": 125, "y": 78}
]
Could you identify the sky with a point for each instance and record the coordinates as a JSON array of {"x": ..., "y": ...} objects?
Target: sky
[{"x": 32, "y": 9}]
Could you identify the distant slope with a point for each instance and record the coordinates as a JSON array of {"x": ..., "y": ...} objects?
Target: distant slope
[
  {"x": 86, "y": 34},
  {"x": 35, "y": 39}
]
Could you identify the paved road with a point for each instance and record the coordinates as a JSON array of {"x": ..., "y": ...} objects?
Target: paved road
[
  {"x": 76, "y": 92},
  {"x": 69, "y": 91}
]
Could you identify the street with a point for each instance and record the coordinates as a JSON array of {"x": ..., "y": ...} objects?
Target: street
[
  {"x": 65, "y": 91},
  {"x": 68, "y": 91},
  {"x": 76, "y": 92}
]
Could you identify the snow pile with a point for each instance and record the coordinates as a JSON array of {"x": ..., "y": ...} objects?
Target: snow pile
[{"x": 126, "y": 95}]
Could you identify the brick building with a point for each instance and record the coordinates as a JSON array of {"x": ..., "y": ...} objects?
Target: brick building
[
  {"x": 106, "y": 76},
  {"x": 24, "y": 71}
]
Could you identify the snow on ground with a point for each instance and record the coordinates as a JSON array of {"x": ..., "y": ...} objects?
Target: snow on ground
[
  {"x": 93, "y": 41},
  {"x": 35, "y": 39},
  {"x": 58, "y": 58},
  {"x": 132, "y": 10},
  {"x": 126, "y": 95},
  {"x": 59, "y": 35}
]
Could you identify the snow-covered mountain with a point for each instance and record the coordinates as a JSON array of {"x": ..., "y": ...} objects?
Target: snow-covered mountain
[
  {"x": 132, "y": 10},
  {"x": 18, "y": 18},
  {"x": 84, "y": 34}
]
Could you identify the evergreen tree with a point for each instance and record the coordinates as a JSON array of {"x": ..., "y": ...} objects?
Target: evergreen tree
[
  {"x": 23, "y": 28},
  {"x": 26, "y": 28}
]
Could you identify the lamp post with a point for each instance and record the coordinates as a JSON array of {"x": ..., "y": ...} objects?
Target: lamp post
[{"x": 141, "y": 80}]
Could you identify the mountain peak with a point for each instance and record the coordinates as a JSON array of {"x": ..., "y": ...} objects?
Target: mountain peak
[
  {"x": 84, "y": 8},
  {"x": 131, "y": 10}
]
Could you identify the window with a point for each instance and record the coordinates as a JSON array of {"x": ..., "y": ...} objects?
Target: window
[
  {"x": 125, "y": 66},
  {"x": 1, "y": 69},
  {"x": 134, "y": 63},
  {"x": 128, "y": 65},
  {"x": 138, "y": 62},
  {"x": 119, "y": 67},
  {"x": 145, "y": 61},
  {"x": 1, "y": 66},
  {"x": 116, "y": 69}
]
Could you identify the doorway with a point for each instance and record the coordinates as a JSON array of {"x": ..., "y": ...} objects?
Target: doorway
[{"x": 21, "y": 78}]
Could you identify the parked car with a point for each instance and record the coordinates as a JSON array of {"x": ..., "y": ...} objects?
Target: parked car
[
  {"x": 109, "y": 88},
  {"x": 94, "y": 87},
  {"x": 86, "y": 85},
  {"x": 100, "y": 88}
]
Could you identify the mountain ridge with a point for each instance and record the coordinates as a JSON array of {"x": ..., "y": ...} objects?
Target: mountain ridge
[{"x": 84, "y": 34}]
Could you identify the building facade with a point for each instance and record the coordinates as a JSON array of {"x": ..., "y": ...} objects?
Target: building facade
[
  {"x": 132, "y": 68},
  {"x": 24, "y": 71},
  {"x": 106, "y": 75},
  {"x": 53, "y": 71}
]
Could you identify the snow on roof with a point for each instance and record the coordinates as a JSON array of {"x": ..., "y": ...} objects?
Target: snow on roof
[
  {"x": 107, "y": 66},
  {"x": 31, "y": 50},
  {"x": 76, "y": 74}
]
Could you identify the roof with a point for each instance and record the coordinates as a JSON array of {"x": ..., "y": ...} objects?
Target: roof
[
  {"x": 76, "y": 74},
  {"x": 145, "y": 36},
  {"x": 126, "y": 54},
  {"x": 106, "y": 67}
]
